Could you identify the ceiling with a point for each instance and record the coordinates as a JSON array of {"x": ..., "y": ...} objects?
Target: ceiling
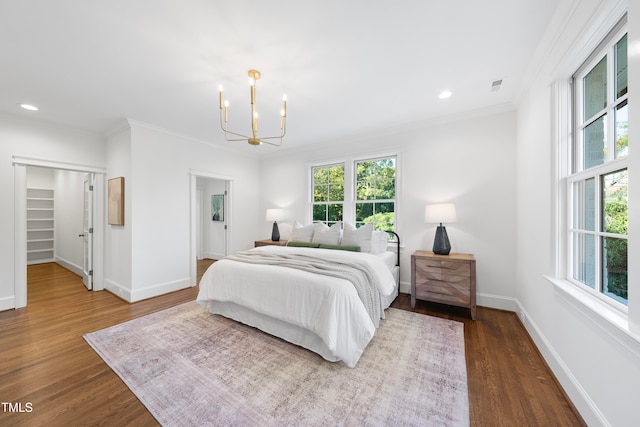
[{"x": 347, "y": 67}]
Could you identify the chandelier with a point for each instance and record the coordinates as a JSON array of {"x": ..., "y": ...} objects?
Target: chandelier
[{"x": 253, "y": 139}]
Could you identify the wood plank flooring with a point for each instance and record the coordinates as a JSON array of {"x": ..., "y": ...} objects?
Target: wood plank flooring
[{"x": 44, "y": 361}]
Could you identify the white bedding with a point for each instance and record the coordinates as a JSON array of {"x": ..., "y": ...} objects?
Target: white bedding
[{"x": 277, "y": 297}]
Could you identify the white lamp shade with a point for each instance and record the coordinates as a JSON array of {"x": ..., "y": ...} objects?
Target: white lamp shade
[
  {"x": 445, "y": 212},
  {"x": 275, "y": 215}
]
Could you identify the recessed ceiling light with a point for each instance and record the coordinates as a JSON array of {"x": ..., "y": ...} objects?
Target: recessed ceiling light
[
  {"x": 445, "y": 94},
  {"x": 29, "y": 107}
]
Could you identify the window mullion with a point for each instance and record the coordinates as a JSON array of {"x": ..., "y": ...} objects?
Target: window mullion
[
  {"x": 611, "y": 104},
  {"x": 598, "y": 232}
]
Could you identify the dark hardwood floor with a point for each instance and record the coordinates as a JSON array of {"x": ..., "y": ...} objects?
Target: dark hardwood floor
[{"x": 50, "y": 373}]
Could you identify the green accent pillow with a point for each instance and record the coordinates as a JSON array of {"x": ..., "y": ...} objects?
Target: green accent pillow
[
  {"x": 340, "y": 247},
  {"x": 297, "y": 244}
]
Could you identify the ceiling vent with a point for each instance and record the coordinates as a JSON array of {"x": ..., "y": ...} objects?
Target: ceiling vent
[{"x": 495, "y": 85}]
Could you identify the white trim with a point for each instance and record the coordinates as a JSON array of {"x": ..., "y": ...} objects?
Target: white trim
[
  {"x": 349, "y": 202},
  {"x": 193, "y": 228},
  {"x": 612, "y": 321},
  {"x": 245, "y": 149},
  {"x": 213, "y": 255},
  {"x": 603, "y": 21},
  {"x": 578, "y": 395},
  {"x": 20, "y": 223},
  {"x": 117, "y": 289},
  {"x": 497, "y": 301},
  {"x": 75, "y": 268},
  {"x": 32, "y": 161},
  {"x": 20, "y": 236},
  {"x": 7, "y": 303},
  {"x": 159, "y": 289}
]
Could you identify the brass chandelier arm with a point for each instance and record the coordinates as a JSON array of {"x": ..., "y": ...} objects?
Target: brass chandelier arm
[
  {"x": 243, "y": 137},
  {"x": 254, "y": 75}
]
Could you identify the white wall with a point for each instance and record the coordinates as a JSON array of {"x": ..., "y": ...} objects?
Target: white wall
[
  {"x": 469, "y": 161},
  {"x": 597, "y": 362},
  {"x": 69, "y": 216},
  {"x": 34, "y": 139},
  {"x": 118, "y": 240},
  {"x": 154, "y": 249},
  {"x": 40, "y": 177}
]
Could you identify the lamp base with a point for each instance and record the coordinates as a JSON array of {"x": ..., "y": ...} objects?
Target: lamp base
[
  {"x": 275, "y": 233},
  {"x": 441, "y": 245}
]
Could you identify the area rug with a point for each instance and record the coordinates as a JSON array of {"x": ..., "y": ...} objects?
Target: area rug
[{"x": 193, "y": 368}]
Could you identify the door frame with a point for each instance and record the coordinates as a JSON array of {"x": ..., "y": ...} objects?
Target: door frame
[
  {"x": 20, "y": 221},
  {"x": 193, "y": 225},
  {"x": 87, "y": 230}
]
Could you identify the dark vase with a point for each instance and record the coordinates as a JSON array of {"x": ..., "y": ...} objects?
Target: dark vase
[
  {"x": 275, "y": 233},
  {"x": 441, "y": 245}
]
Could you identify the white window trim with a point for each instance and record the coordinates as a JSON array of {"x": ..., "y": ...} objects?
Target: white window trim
[
  {"x": 348, "y": 208},
  {"x": 355, "y": 179},
  {"x": 602, "y": 50},
  {"x": 600, "y": 312},
  {"x": 310, "y": 183}
]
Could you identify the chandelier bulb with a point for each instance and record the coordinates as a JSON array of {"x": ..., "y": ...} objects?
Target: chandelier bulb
[{"x": 254, "y": 75}]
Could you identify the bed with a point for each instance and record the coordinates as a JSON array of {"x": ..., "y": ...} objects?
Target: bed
[{"x": 322, "y": 298}]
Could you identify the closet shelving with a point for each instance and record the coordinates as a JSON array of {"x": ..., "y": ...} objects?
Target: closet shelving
[{"x": 40, "y": 225}]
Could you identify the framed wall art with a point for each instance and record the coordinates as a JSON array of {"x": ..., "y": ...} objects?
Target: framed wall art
[
  {"x": 217, "y": 207},
  {"x": 116, "y": 201}
]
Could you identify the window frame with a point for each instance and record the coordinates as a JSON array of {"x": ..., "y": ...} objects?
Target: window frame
[
  {"x": 373, "y": 201},
  {"x": 349, "y": 203},
  {"x": 328, "y": 202},
  {"x": 577, "y": 171}
]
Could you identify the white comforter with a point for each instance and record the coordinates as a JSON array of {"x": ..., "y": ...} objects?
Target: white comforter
[{"x": 328, "y": 306}]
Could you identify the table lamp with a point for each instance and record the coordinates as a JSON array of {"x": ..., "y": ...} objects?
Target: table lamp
[
  {"x": 439, "y": 213},
  {"x": 275, "y": 215}
]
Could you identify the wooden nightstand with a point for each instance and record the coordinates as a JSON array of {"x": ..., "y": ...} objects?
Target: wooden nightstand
[
  {"x": 447, "y": 279},
  {"x": 269, "y": 242}
]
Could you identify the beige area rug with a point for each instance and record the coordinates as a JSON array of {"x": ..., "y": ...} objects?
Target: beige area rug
[{"x": 193, "y": 368}]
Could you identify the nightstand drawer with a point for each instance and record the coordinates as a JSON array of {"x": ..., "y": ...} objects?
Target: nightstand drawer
[
  {"x": 455, "y": 293},
  {"x": 447, "y": 279},
  {"x": 442, "y": 268}
]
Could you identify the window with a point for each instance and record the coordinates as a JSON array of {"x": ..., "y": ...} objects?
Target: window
[
  {"x": 328, "y": 193},
  {"x": 358, "y": 192},
  {"x": 597, "y": 185},
  {"x": 375, "y": 190}
]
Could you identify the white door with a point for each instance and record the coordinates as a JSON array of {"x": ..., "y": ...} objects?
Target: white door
[{"x": 87, "y": 233}]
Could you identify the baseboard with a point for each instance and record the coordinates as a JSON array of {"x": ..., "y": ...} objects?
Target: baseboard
[
  {"x": 213, "y": 255},
  {"x": 497, "y": 301},
  {"x": 117, "y": 289},
  {"x": 79, "y": 270},
  {"x": 7, "y": 303},
  {"x": 484, "y": 300},
  {"x": 579, "y": 397},
  {"x": 405, "y": 287},
  {"x": 159, "y": 289}
]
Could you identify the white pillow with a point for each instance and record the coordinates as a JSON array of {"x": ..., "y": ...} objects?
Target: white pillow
[
  {"x": 301, "y": 233},
  {"x": 327, "y": 235},
  {"x": 379, "y": 241},
  {"x": 358, "y": 236}
]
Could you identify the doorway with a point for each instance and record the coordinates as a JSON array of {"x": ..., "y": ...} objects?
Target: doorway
[
  {"x": 79, "y": 247},
  {"x": 211, "y": 218}
]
